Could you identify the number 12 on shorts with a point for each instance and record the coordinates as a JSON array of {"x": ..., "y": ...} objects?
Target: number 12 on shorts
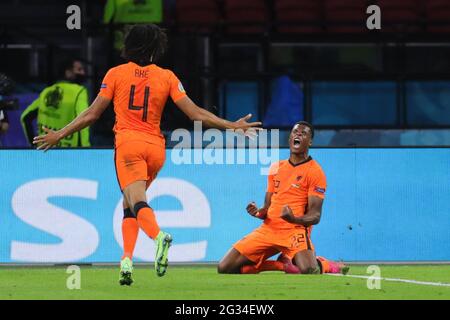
[{"x": 131, "y": 106}]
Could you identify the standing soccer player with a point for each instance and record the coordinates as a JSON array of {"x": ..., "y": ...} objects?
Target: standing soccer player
[
  {"x": 139, "y": 90},
  {"x": 293, "y": 204}
]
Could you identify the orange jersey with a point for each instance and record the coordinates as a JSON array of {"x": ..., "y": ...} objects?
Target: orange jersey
[
  {"x": 139, "y": 95},
  {"x": 291, "y": 185}
]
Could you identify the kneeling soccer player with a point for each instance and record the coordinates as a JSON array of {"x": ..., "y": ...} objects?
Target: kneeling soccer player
[
  {"x": 139, "y": 90},
  {"x": 293, "y": 204}
]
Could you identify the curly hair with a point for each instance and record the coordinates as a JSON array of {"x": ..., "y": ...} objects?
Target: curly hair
[{"x": 144, "y": 44}]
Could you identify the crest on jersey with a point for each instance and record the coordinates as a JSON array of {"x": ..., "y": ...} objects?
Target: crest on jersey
[{"x": 53, "y": 97}]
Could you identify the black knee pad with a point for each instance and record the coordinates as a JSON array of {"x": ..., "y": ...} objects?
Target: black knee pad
[
  {"x": 138, "y": 206},
  {"x": 127, "y": 213}
]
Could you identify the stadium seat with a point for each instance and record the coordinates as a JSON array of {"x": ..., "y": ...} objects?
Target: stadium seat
[
  {"x": 298, "y": 16},
  {"x": 249, "y": 16},
  {"x": 437, "y": 13},
  {"x": 400, "y": 15},
  {"x": 345, "y": 16},
  {"x": 197, "y": 15}
]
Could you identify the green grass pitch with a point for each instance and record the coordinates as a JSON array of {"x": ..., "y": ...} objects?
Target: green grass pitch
[{"x": 202, "y": 282}]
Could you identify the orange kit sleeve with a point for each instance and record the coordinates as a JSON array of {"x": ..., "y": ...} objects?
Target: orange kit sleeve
[
  {"x": 318, "y": 184},
  {"x": 107, "y": 86},
  {"x": 176, "y": 88},
  {"x": 270, "y": 179}
]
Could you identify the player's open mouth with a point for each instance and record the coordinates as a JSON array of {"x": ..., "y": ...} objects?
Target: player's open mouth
[{"x": 297, "y": 142}]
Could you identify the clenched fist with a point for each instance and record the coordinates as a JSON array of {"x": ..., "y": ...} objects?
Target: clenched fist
[
  {"x": 253, "y": 210},
  {"x": 287, "y": 214}
]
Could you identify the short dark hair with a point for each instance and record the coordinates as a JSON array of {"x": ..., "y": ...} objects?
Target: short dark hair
[
  {"x": 67, "y": 64},
  {"x": 309, "y": 125},
  {"x": 144, "y": 41}
]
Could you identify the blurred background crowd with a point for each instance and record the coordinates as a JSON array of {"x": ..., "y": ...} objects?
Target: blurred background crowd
[{"x": 281, "y": 60}]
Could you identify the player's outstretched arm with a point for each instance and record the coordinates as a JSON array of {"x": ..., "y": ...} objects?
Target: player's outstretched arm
[
  {"x": 312, "y": 214},
  {"x": 195, "y": 113},
  {"x": 84, "y": 119}
]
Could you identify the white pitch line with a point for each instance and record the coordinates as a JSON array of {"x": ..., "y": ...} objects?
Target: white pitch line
[{"x": 425, "y": 283}]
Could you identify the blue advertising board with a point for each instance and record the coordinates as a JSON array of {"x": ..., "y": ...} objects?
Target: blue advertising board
[{"x": 65, "y": 206}]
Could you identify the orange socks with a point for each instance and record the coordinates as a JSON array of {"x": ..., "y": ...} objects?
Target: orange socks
[
  {"x": 130, "y": 231},
  {"x": 267, "y": 265},
  {"x": 146, "y": 219},
  {"x": 271, "y": 266},
  {"x": 324, "y": 263},
  {"x": 329, "y": 266},
  {"x": 130, "y": 226}
]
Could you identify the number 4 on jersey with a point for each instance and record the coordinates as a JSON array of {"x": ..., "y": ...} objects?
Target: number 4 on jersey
[{"x": 145, "y": 107}]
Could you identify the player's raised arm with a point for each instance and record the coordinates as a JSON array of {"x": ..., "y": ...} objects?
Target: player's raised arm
[
  {"x": 267, "y": 201},
  {"x": 195, "y": 113},
  {"x": 85, "y": 119}
]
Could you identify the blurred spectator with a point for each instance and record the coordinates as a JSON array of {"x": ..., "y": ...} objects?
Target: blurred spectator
[
  {"x": 7, "y": 86},
  {"x": 4, "y": 124},
  {"x": 59, "y": 104},
  {"x": 133, "y": 11},
  {"x": 286, "y": 106},
  {"x": 119, "y": 13}
]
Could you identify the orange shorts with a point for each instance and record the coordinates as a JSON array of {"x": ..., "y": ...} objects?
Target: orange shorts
[
  {"x": 264, "y": 242},
  {"x": 138, "y": 160}
]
